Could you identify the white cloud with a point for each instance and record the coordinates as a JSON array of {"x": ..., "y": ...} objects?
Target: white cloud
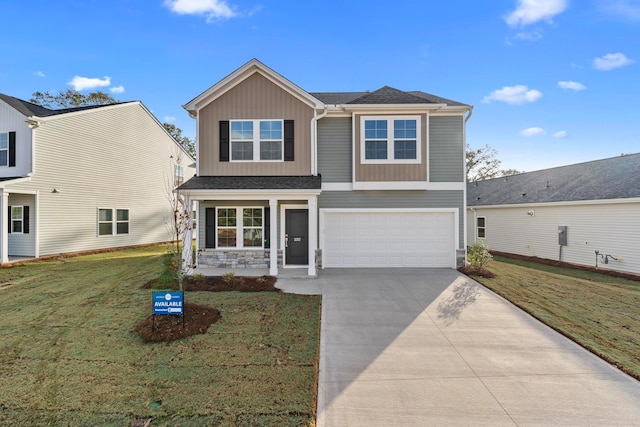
[
  {"x": 82, "y": 83},
  {"x": 629, "y": 9},
  {"x": 531, "y": 11},
  {"x": 211, "y": 9},
  {"x": 570, "y": 85},
  {"x": 560, "y": 134},
  {"x": 532, "y": 36},
  {"x": 518, "y": 94},
  {"x": 532, "y": 132},
  {"x": 117, "y": 89},
  {"x": 39, "y": 74},
  {"x": 611, "y": 61},
  {"x": 168, "y": 119}
]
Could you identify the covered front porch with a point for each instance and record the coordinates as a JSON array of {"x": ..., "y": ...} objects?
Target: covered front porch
[{"x": 269, "y": 228}]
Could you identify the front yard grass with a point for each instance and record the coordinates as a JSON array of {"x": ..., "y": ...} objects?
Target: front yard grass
[
  {"x": 69, "y": 354},
  {"x": 599, "y": 312}
]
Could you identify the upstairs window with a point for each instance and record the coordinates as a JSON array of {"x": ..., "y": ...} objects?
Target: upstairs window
[
  {"x": 390, "y": 139},
  {"x": 256, "y": 140},
  {"x": 4, "y": 149}
]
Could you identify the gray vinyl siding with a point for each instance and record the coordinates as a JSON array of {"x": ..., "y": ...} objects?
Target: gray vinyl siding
[
  {"x": 12, "y": 121},
  {"x": 446, "y": 149},
  {"x": 114, "y": 157},
  {"x": 611, "y": 228},
  {"x": 21, "y": 244},
  {"x": 396, "y": 200},
  {"x": 335, "y": 149}
]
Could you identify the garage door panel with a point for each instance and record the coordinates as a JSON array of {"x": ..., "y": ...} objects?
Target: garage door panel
[{"x": 389, "y": 239}]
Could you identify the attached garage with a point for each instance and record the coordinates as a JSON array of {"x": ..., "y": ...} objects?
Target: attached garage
[{"x": 388, "y": 238}]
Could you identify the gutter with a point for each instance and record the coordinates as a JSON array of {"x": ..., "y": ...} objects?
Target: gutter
[{"x": 314, "y": 139}]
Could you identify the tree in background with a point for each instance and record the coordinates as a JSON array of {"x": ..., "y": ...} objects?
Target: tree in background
[
  {"x": 184, "y": 141},
  {"x": 72, "y": 98},
  {"x": 482, "y": 163}
]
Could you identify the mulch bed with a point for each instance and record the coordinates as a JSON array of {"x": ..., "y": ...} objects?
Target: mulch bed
[
  {"x": 470, "y": 270},
  {"x": 197, "y": 318}
]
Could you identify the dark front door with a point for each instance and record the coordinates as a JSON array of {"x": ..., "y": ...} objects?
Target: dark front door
[{"x": 296, "y": 237}]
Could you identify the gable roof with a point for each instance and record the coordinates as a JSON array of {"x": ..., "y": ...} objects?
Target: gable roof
[
  {"x": 34, "y": 110},
  {"x": 384, "y": 95},
  {"x": 613, "y": 178}
]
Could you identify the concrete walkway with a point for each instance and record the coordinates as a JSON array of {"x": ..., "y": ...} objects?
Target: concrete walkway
[{"x": 418, "y": 347}]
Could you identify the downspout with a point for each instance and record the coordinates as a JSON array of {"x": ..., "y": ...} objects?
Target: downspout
[{"x": 314, "y": 139}]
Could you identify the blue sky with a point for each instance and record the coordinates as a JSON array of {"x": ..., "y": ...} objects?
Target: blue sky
[{"x": 552, "y": 82}]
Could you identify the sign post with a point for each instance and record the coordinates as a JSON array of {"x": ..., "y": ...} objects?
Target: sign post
[{"x": 168, "y": 303}]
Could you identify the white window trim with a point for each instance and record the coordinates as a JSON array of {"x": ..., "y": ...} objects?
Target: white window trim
[
  {"x": 255, "y": 141},
  {"x": 239, "y": 227},
  {"x": 484, "y": 227},
  {"x": 114, "y": 221},
  {"x": 5, "y": 149},
  {"x": 391, "y": 141},
  {"x": 21, "y": 220}
]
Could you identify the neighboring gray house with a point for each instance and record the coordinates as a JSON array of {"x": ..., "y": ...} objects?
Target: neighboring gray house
[
  {"x": 296, "y": 179},
  {"x": 84, "y": 178},
  {"x": 566, "y": 213}
]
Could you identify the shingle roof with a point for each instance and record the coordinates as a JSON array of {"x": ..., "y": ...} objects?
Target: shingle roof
[
  {"x": 29, "y": 109},
  {"x": 253, "y": 183},
  {"x": 613, "y": 178},
  {"x": 384, "y": 95}
]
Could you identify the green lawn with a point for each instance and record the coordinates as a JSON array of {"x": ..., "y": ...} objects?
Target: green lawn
[
  {"x": 600, "y": 312},
  {"x": 69, "y": 354}
]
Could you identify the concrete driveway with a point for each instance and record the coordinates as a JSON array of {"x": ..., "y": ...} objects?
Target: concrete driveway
[{"x": 430, "y": 347}]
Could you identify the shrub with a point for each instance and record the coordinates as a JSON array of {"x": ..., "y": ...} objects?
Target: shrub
[
  {"x": 478, "y": 256},
  {"x": 229, "y": 277}
]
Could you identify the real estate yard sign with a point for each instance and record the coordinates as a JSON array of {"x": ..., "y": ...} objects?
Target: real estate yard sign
[{"x": 165, "y": 302}]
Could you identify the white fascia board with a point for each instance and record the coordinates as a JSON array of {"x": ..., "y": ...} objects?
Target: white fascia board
[
  {"x": 250, "y": 194},
  {"x": 242, "y": 74},
  {"x": 559, "y": 204},
  {"x": 408, "y": 185},
  {"x": 392, "y": 108},
  {"x": 452, "y": 111}
]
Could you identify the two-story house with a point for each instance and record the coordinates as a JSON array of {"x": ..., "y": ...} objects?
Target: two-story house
[
  {"x": 342, "y": 179},
  {"x": 87, "y": 178}
]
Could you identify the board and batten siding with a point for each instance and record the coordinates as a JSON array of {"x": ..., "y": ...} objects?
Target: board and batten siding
[
  {"x": 611, "y": 228},
  {"x": 13, "y": 121},
  {"x": 253, "y": 99},
  {"x": 116, "y": 157},
  {"x": 390, "y": 171},
  {"x": 446, "y": 149},
  {"x": 397, "y": 200},
  {"x": 335, "y": 149}
]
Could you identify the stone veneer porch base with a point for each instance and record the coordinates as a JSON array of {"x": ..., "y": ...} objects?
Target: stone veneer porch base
[{"x": 220, "y": 258}]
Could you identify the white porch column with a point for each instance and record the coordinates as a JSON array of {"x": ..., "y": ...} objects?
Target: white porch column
[
  {"x": 273, "y": 237},
  {"x": 312, "y": 203},
  {"x": 4, "y": 226}
]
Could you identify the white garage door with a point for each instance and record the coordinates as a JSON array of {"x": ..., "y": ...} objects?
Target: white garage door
[{"x": 388, "y": 239}]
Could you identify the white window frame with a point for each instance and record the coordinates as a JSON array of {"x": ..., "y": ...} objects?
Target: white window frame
[
  {"x": 483, "y": 227},
  {"x": 256, "y": 141},
  {"x": 178, "y": 175},
  {"x": 17, "y": 220},
  {"x": 114, "y": 221},
  {"x": 391, "y": 140},
  {"x": 6, "y": 141},
  {"x": 239, "y": 228},
  {"x": 117, "y": 221}
]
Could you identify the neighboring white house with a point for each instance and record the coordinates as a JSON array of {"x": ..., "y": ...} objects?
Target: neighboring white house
[
  {"x": 587, "y": 213},
  {"x": 84, "y": 178}
]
